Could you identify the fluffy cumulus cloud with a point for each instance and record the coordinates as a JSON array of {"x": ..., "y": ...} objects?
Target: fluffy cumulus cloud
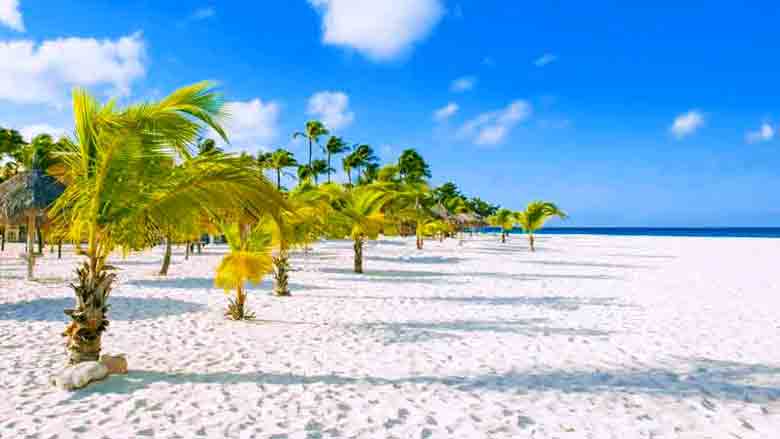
[
  {"x": 547, "y": 58},
  {"x": 10, "y": 15},
  {"x": 764, "y": 134},
  {"x": 445, "y": 112},
  {"x": 687, "y": 124},
  {"x": 251, "y": 124},
  {"x": 465, "y": 83},
  {"x": 493, "y": 127},
  {"x": 45, "y": 73},
  {"x": 332, "y": 108},
  {"x": 382, "y": 30},
  {"x": 30, "y": 131}
]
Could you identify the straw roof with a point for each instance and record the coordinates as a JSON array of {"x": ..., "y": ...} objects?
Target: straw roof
[{"x": 32, "y": 190}]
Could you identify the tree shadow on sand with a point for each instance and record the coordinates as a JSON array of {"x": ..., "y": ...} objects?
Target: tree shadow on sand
[
  {"x": 697, "y": 378},
  {"x": 122, "y": 308},
  {"x": 206, "y": 283},
  {"x": 417, "y": 259},
  {"x": 564, "y": 303},
  {"x": 389, "y": 274}
]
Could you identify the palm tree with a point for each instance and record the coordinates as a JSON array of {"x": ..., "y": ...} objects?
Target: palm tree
[
  {"x": 362, "y": 157},
  {"x": 349, "y": 163},
  {"x": 280, "y": 160},
  {"x": 121, "y": 189},
  {"x": 417, "y": 199},
  {"x": 535, "y": 216},
  {"x": 313, "y": 131},
  {"x": 503, "y": 218},
  {"x": 319, "y": 167},
  {"x": 249, "y": 260},
  {"x": 413, "y": 167},
  {"x": 207, "y": 146},
  {"x": 358, "y": 214},
  {"x": 335, "y": 145}
]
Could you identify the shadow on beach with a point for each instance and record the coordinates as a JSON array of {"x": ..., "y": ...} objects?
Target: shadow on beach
[
  {"x": 122, "y": 308},
  {"x": 704, "y": 378}
]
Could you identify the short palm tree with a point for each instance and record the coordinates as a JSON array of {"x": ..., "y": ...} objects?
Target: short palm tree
[
  {"x": 357, "y": 213},
  {"x": 313, "y": 131},
  {"x": 535, "y": 216},
  {"x": 120, "y": 188},
  {"x": 280, "y": 160},
  {"x": 249, "y": 260},
  {"x": 335, "y": 145},
  {"x": 505, "y": 219}
]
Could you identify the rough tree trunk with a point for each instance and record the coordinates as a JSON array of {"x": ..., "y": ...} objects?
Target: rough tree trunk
[
  {"x": 503, "y": 237},
  {"x": 166, "y": 258},
  {"x": 89, "y": 317},
  {"x": 281, "y": 274},
  {"x": 531, "y": 241},
  {"x": 358, "y": 255}
]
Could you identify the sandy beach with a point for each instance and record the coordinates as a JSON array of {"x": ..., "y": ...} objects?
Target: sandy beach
[{"x": 589, "y": 337}]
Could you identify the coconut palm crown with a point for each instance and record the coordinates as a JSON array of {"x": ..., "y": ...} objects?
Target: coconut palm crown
[{"x": 535, "y": 215}]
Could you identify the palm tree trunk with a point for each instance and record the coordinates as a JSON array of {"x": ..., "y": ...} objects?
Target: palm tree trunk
[
  {"x": 531, "y": 241},
  {"x": 88, "y": 318},
  {"x": 279, "y": 179},
  {"x": 59, "y": 249},
  {"x": 166, "y": 258},
  {"x": 281, "y": 273},
  {"x": 30, "y": 251},
  {"x": 328, "y": 166},
  {"x": 349, "y": 176},
  {"x": 309, "y": 152},
  {"x": 358, "y": 255},
  {"x": 2, "y": 241},
  {"x": 187, "y": 252},
  {"x": 503, "y": 237},
  {"x": 40, "y": 238}
]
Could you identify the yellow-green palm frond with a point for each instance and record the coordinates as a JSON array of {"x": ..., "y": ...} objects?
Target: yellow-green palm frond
[
  {"x": 537, "y": 213},
  {"x": 503, "y": 218},
  {"x": 237, "y": 268}
]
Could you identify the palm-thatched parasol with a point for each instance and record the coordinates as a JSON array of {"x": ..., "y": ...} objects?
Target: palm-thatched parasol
[{"x": 24, "y": 198}]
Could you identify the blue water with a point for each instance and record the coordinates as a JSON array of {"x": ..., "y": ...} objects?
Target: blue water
[{"x": 732, "y": 232}]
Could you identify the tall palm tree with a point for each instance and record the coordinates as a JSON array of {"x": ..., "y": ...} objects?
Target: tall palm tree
[
  {"x": 505, "y": 219},
  {"x": 280, "y": 160},
  {"x": 358, "y": 214},
  {"x": 120, "y": 188},
  {"x": 319, "y": 167},
  {"x": 535, "y": 215},
  {"x": 362, "y": 156},
  {"x": 313, "y": 131},
  {"x": 335, "y": 145},
  {"x": 349, "y": 163},
  {"x": 418, "y": 200},
  {"x": 413, "y": 167}
]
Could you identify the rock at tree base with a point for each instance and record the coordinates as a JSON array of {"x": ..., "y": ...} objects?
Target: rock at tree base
[
  {"x": 79, "y": 375},
  {"x": 116, "y": 364}
]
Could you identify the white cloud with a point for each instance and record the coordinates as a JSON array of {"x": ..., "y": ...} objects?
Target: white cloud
[
  {"x": 10, "y": 15},
  {"x": 332, "y": 108},
  {"x": 686, "y": 124},
  {"x": 203, "y": 13},
  {"x": 465, "y": 83},
  {"x": 446, "y": 112},
  {"x": 382, "y": 30},
  {"x": 763, "y": 134},
  {"x": 547, "y": 58},
  {"x": 45, "y": 73},
  {"x": 251, "y": 124},
  {"x": 493, "y": 127},
  {"x": 29, "y": 132}
]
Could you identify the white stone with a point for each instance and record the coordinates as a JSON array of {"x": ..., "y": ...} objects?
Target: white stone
[{"x": 78, "y": 376}]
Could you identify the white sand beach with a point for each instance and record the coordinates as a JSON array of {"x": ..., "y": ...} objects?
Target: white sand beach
[{"x": 589, "y": 337}]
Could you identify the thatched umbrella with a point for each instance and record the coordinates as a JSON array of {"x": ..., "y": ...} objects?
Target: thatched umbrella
[{"x": 24, "y": 198}]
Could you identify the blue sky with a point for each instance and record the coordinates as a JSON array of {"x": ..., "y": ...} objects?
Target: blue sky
[{"x": 659, "y": 115}]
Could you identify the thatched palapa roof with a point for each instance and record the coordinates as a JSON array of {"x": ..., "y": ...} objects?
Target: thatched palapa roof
[{"x": 33, "y": 190}]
